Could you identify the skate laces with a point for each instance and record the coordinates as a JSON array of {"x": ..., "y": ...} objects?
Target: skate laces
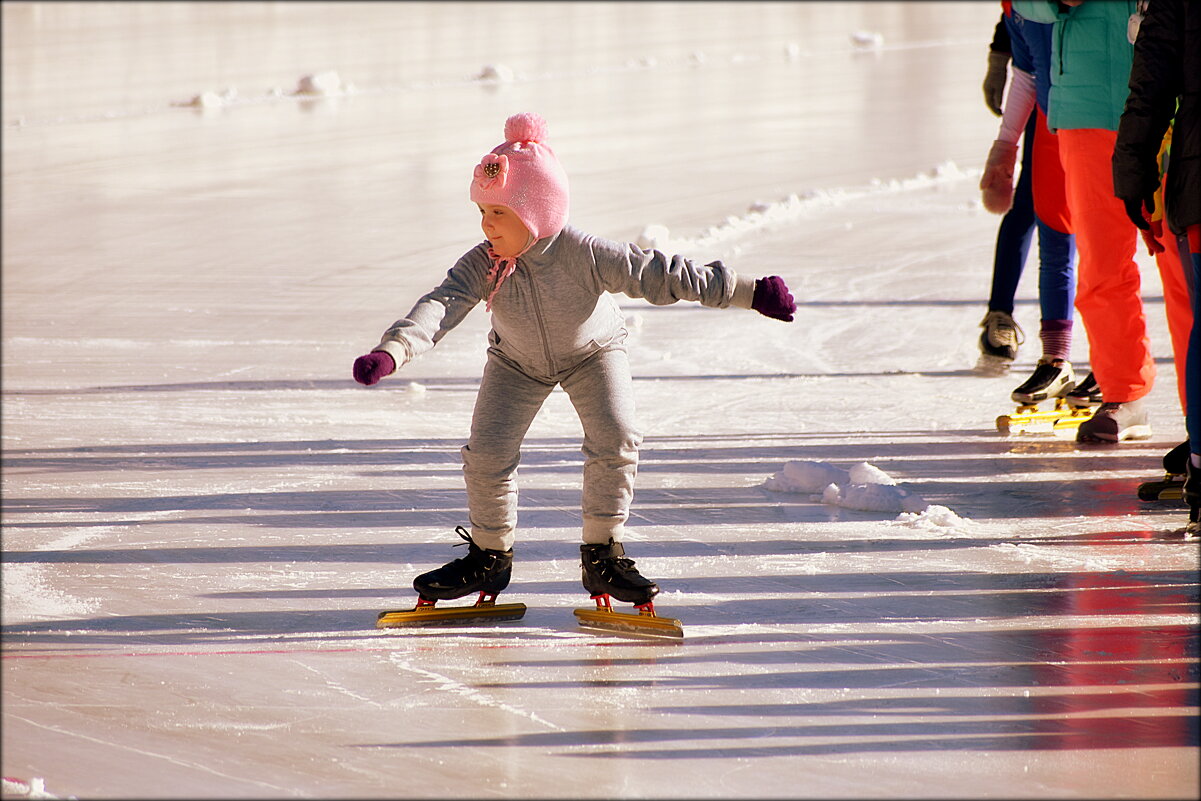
[
  {"x": 1001, "y": 329},
  {"x": 477, "y": 557}
]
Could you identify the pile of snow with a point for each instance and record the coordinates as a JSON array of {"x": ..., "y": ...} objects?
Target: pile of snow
[
  {"x": 654, "y": 237},
  {"x": 867, "y": 39},
  {"x": 807, "y": 477},
  {"x": 321, "y": 84},
  {"x": 933, "y": 518},
  {"x": 864, "y": 487},
  {"x": 498, "y": 73},
  {"x": 318, "y": 84},
  {"x": 34, "y": 788},
  {"x": 209, "y": 100}
]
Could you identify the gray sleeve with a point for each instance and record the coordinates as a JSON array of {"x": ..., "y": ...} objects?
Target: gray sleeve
[
  {"x": 438, "y": 311},
  {"x": 626, "y": 268}
]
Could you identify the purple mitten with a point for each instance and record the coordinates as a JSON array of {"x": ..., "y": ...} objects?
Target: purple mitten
[
  {"x": 371, "y": 368},
  {"x": 772, "y": 299}
]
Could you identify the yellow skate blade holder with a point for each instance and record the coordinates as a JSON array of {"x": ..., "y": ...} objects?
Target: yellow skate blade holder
[
  {"x": 645, "y": 622},
  {"x": 1060, "y": 416},
  {"x": 424, "y": 614}
]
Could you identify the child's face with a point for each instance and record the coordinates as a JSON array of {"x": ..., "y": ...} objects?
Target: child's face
[{"x": 504, "y": 230}]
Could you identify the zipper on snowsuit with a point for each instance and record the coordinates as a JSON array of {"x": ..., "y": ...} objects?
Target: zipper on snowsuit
[{"x": 536, "y": 300}]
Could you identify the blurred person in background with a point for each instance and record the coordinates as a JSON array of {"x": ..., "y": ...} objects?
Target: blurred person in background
[{"x": 1039, "y": 201}]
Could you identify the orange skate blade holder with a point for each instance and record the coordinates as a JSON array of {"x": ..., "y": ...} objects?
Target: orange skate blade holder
[
  {"x": 425, "y": 614},
  {"x": 645, "y": 622}
]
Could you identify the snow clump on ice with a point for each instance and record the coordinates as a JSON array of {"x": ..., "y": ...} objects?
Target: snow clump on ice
[
  {"x": 212, "y": 100},
  {"x": 867, "y": 39},
  {"x": 864, "y": 487},
  {"x": 653, "y": 237},
  {"x": 933, "y": 518},
  {"x": 34, "y": 788},
  {"x": 496, "y": 72},
  {"x": 807, "y": 477},
  {"x": 322, "y": 84}
]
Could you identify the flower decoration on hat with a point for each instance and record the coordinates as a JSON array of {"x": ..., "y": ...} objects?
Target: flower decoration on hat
[{"x": 492, "y": 172}]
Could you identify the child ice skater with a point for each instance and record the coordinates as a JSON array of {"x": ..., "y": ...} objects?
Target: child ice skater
[{"x": 553, "y": 323}]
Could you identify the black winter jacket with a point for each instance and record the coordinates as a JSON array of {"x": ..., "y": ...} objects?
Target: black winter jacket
[{"x": 1167, "y": 68}]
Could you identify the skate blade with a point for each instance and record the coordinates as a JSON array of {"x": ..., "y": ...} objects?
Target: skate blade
[
  {"x": 651, "y": 625},
  {"x": 418, "y": 616},
  {"x": 1166, "y": 490},
  {"x": 1029, "y": 417}
]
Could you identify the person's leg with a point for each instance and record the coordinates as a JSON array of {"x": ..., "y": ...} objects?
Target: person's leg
[
  {"x": 1192, "y": 418},
  {"x": 602, "y": 392},
  {"x": 1108, "y": 285},
  {"x": 505, "y": 406},
  {"x": 1015, "y": 233},
  {"x": 1173, "y": 264},
  {"x": 1193, "y": 358},
  {"x": 1056, "y": 245}
]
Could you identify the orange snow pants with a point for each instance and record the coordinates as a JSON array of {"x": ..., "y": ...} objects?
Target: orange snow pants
[{"x": 1108, "y": 283}]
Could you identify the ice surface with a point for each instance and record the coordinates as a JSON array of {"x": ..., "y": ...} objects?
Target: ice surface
[{"x": 203, "y": 513}]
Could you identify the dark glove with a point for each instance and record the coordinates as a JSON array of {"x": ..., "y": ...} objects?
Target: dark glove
[
  {"x": 994, "y": 80},
  {"x": 1139, "y": 212},
  {"x": 371, "y": 368},
  {"x": 772, "y": 299},
  {"x": 1134, "y": 210}
]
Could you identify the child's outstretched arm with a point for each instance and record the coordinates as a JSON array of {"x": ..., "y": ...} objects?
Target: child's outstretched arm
[
  {"x": 659, "y": 279},
  {"x": 431, "y": 317}
]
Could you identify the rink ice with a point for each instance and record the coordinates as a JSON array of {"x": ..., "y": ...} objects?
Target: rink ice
[{"x": 203, "y": 513}]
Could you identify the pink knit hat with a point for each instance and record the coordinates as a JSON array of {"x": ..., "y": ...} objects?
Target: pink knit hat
[{"x": 523, "y": 174}]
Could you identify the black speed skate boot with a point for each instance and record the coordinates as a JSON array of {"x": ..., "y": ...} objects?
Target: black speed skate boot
[
  {"x": 607, "y": 571},
  {"x": 1171, "y": 486},
  {"x": 1085, "y": 394},
  {"x": 481, "y": 570},
  {"x": 1175, "y": 461},
  {"x": 484, "y": 571},
  {"x": 1051, "y": 379}
]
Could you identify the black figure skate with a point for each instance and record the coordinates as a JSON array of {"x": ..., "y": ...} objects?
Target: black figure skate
[
  {"x": 484, "y": 571},
  {"x": 608, "y": 574}
]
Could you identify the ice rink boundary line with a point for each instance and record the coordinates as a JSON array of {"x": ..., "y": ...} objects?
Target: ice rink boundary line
[{"x": 490, "y": 76}]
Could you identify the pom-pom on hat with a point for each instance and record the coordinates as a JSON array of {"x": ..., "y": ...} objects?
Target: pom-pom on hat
[{"x": 524, "y": 174}]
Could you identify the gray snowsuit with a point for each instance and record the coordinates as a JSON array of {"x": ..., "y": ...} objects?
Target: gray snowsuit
[{"x": 553, "y": 322}]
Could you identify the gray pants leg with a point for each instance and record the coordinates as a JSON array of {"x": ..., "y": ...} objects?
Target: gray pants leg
[
  {"x": 601, "y": 391},
  {"x": 505, "y": 407}
]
